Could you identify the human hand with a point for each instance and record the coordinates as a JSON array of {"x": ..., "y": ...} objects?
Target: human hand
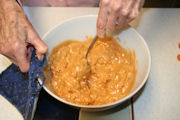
[
  {"x": 17, "y": 34},
  {"x": 113, "y": 14}
]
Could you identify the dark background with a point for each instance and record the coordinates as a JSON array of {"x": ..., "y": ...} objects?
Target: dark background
[{"x": 162, "y": 3}]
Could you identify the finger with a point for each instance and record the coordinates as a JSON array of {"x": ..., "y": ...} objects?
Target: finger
[
  {"x": 102, "y": 19},
  {"x": 135, "y": 11},
  {"x": 40, "y": 56},
  {"x": 121, "y": 20},
  {"x": 29, "y": 51},
  {"x": 34, "y": 39},
  {"x": 111, "y": 22},
  {"x": 124, "y": 13},
  {"x": 128, "y": 20},
  {"x": 20, "y": 53},
  {"x": 141, "y": 3}
]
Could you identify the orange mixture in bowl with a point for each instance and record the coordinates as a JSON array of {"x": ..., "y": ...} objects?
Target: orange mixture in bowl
[{"x": 110, "y": 77}]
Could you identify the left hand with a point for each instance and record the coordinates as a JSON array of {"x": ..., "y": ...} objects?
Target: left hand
[
  {"x": 17, "y": 35},
  {"x": 113, "y": 14}
]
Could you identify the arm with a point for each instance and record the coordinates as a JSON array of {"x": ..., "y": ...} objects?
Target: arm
[{"x": 16, "y": 34}]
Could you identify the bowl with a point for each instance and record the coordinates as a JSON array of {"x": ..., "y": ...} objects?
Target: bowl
[{"x": 79, "y": 27}]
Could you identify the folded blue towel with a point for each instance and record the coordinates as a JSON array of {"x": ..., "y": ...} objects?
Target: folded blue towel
[{"x": 21, "y": 89}]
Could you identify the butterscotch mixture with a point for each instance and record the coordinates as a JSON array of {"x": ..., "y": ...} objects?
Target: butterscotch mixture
[{"x": 110, "y": 76}]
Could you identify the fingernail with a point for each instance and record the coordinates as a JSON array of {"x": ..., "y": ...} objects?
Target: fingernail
[{"x": 40, "y": 57}]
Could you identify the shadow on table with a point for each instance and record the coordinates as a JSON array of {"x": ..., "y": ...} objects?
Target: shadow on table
[{"x": 136, "y": 96}]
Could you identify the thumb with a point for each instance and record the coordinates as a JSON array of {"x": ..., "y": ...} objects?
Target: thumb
[{"x": 35, "y": 40}]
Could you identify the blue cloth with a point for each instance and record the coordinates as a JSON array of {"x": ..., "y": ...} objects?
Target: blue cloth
[{"x": 21, "y": 89}]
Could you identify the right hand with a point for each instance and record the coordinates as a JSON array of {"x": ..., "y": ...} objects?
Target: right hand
[
  {"x": 16, "y": 34},
  {"x": 114, "y": 14}
]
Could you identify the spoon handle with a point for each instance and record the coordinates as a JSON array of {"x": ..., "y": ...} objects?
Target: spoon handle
[{"x": 91, "y": 45}]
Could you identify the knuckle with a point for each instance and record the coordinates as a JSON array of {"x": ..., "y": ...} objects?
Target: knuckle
[
  {"x": 105, "y": 2},
  {"x": 116, "y": 8},
  {"x": 33, "y": 37},
  {"x": 15, "y": 45},
  {"x": 124, "y": 12},
  {"x": 100, "y": 25},
  {"x": 101, "y": 31},
  {"x": 133, "y": 15},
  {"x": 101, "y": 34}
]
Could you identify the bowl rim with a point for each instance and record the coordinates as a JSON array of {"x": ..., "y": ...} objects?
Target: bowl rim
[{"x": 104, "y": 105}]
